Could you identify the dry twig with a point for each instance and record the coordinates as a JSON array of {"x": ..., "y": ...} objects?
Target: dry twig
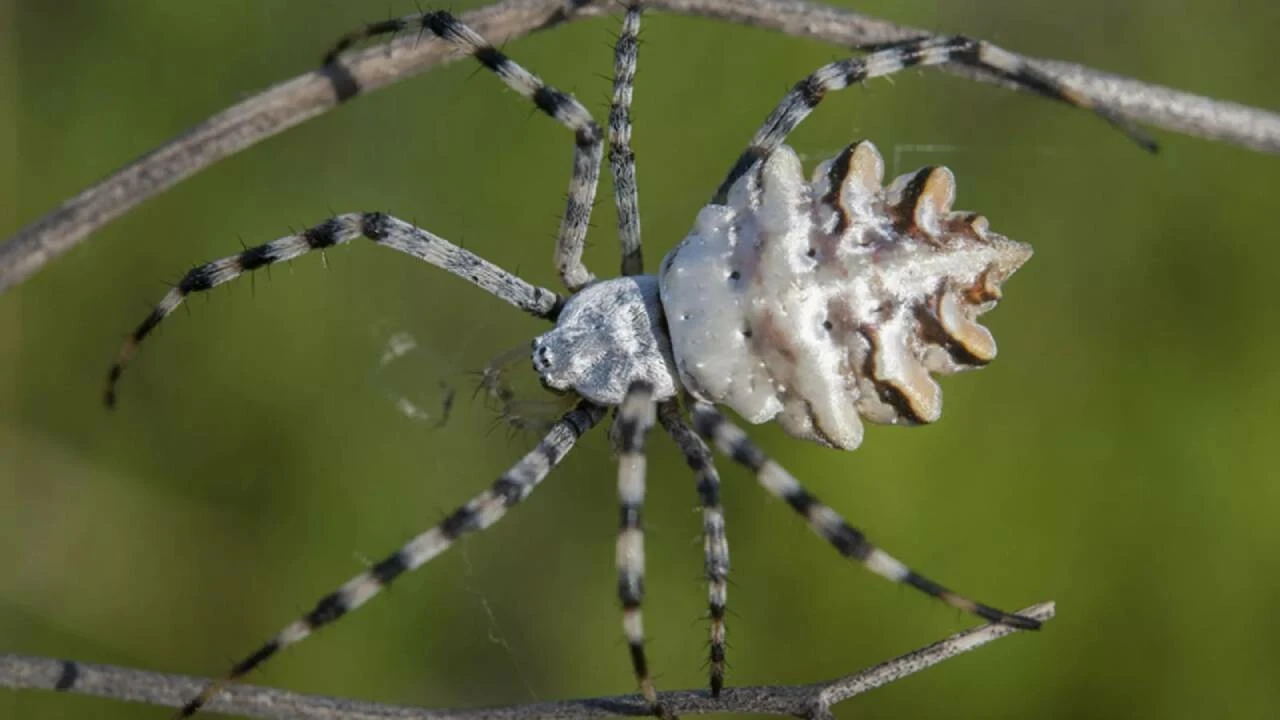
[
  {"x": 806, "y": 701},
  {"x": 291, "y": 102}
]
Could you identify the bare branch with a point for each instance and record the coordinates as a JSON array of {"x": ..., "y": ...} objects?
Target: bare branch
[
  {"x": 808, "y": 701},
  {"x": 1133, "y": 100},
  {"x": 294, "y": 101}
]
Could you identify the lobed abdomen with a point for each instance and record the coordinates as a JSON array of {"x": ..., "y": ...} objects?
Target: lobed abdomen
[{"x": 825, "y": 302}]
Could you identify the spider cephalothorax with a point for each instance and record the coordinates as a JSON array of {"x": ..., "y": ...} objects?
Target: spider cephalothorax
[
  {"x": 609, "y": 335},
  {"x": 816, "y": 303}
]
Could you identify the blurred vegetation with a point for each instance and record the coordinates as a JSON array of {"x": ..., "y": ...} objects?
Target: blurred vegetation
[{"x": 1120, "y": 457}]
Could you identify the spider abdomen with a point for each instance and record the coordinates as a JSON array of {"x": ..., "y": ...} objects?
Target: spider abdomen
[{"x": 822, "y": 303}]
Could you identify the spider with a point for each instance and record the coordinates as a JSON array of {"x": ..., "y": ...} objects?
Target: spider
[{"x": 817, "y": 303}]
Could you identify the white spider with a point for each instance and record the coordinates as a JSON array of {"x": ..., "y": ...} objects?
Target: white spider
[{"x": 818, "y": 303}]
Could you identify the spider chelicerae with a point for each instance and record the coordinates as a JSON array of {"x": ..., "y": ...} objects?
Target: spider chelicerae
[{"x": 817, "y": 303}]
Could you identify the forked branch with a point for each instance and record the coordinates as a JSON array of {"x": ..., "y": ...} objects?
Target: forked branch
[
  {"x": 293, "y": 101},
  {"x": 805, "y": 701}
]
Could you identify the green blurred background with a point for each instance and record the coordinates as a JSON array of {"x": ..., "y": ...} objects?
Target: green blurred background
[{"x": 1120, "y": 457}]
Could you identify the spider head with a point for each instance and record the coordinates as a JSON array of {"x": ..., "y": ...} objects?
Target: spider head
[{"x": 608, "y": 335}]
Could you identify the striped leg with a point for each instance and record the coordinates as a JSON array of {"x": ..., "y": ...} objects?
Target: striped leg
[
  {"x": 482, "y": 511},
  {"x": 889, "y": 59},
  {"x": 378, "y": 227},
  {"x": 714, "y": 543},
  {"x": 851, "y": 543},
  {"x": 622, "y": 161},
  {"x": 635, "y": 418},
  {"x": 588, "y": 139}
]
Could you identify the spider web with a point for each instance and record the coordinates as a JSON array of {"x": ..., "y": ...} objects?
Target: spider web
[
  {"x": 415, "y": 379},
  {"x": 495, "y": 633},
  {"x": 424, "y": 383}
]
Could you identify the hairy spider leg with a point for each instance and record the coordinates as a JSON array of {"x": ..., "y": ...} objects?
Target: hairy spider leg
[
  {"x": 588, "y": 139},
  {"x": 622, "y": 160},
  {"x": 478, "y": 514},
  {"x": 715, "y": 544},
  {"x": 889, "y": 59},
  {"x": 378, "y": 227},
  {"x": 635, "y": 419},
  {"x": 848, "y": 541}
]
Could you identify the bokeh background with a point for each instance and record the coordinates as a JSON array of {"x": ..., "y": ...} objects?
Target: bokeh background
[{"x": 1120, "y": 457}]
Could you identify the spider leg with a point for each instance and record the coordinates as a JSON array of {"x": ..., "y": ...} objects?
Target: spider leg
[
  {"x": 378, "y": 227},
  {"x": 635, "y": 419},
  {"x": 622, "y": 161},
  {"x": 886, "y": 60},
  {"x": 482, "y": 511},
  {"x": 824, "y": 521},
  {"x": 588, "y": 139},
  {"x": 714, "y": 543}
]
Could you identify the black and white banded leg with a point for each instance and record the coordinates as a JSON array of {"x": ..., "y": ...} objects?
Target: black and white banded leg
[
  {"x": 378, "y": 227},
  {"x": 635, "y": 419},
  {"x": 482, "y": 511},
  {"x": 732, "y": 441},
  {"x": 715, "y": 543},
  {"x": 622, "y": 161},
  {"x": 888, "y": 59},
  {"x": 588, "y": 139}
]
